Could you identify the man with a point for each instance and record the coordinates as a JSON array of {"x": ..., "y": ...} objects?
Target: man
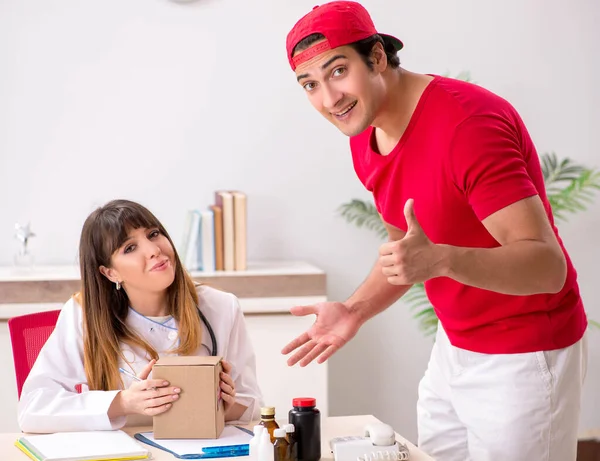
[{"x": 457, "y": 181}]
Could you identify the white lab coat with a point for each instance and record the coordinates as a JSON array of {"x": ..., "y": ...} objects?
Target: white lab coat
[{"x": 50, "y": 403}]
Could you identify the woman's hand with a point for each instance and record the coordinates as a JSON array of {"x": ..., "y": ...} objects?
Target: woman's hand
[
  {"x": 233, "y": 410},
  {"x": 227, "y": 386},
  {"x": 147, "y": 397}
]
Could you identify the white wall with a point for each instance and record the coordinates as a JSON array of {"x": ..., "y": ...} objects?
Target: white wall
[{"x": 150, "y": 100}]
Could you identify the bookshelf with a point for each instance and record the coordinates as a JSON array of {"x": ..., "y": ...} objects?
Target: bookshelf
[{"x": 261, "y": 279}]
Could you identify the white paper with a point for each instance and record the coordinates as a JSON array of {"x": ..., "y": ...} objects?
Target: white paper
[{"x": 231, "y": 435}]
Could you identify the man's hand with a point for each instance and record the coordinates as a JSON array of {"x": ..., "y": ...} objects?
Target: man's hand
[
  {"x": 413, "y": 258},
  {"x": 334, "y": 326}
]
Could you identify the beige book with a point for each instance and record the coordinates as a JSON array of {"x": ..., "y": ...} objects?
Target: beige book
[
  {"x": 218, "y": 217},
  {"x": 240, "y": 218},
  {"x": 224, "y": 200}
]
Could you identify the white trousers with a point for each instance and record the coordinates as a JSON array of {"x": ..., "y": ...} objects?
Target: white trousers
[{"x": 498, "y": 407}]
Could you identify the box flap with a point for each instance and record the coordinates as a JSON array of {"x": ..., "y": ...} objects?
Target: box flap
[{"x": 188, "y": 360}]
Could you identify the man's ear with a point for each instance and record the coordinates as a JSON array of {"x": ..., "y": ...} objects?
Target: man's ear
[
  {"x": 378, "y": 57},
  {"x": 110, "y": 274}
]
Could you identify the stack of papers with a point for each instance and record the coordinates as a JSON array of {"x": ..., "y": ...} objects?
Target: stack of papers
[
  {"x": 82, "y": 446},
  {"x": 233, "y": 441}
]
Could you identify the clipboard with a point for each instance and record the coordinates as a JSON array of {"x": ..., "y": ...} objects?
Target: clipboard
[{"x": 234, "y": 441}]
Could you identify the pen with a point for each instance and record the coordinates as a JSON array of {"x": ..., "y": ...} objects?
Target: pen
[
  {"x": 130, "y": 374},
  {"x": 231, "y": 454},
  {"x": 226, "y": 448}
]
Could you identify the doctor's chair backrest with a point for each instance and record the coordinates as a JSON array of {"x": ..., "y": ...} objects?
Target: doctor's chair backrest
[{"x": 28, "y": 334}]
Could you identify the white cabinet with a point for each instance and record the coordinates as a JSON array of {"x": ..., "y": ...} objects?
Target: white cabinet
[{"x": 279, "y": 382}]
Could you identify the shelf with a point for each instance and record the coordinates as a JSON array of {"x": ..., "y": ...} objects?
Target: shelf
[{"x": 262, "y": 279}]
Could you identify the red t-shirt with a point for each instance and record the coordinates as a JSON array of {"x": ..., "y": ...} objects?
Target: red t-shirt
[{"x": 465, "y": 155}]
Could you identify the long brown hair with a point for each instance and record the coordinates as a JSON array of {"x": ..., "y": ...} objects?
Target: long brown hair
[{"x": 105, "y": 308}]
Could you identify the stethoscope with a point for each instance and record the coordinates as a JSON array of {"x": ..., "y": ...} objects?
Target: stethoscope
[{"x": 213, "y": 338}]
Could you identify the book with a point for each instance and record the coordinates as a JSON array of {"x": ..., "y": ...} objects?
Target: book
[
  {"x": 239, "y": 224},
  {"x": 218, "y": 221},
  {"x": 82, "y": 446},
  {"x": 207, "y": 241},
  {"x": 224, "y": 200},
  {"x": 215, "y": 239},
  {"x": 191, "y": 259}
]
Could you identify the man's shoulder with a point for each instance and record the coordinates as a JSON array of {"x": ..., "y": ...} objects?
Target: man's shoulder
[{"x": 468, "y": 99}]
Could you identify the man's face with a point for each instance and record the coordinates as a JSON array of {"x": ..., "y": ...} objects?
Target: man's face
[{"x": 343, "y": 89}]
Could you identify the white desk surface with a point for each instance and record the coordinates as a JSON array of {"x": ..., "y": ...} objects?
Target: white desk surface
[{"x": 330, "y": 427}]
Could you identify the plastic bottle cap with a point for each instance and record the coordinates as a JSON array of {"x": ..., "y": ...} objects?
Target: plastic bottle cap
[
  {"x": 304, "y": 402},
  {"x": 267, "y": 411},
  {"x": 289, "y": 428},
  {"x": 258, "y": 429},
  {"x": 279, "y": 432}
]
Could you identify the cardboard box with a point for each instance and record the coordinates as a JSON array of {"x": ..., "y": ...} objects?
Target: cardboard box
[{"x": 199, "y": 412}]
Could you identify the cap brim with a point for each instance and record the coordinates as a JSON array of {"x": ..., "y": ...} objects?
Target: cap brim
[{"x": 397, "y": 44}]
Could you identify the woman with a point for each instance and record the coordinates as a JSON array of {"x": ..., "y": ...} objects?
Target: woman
[{"x": 137, "y": 304}]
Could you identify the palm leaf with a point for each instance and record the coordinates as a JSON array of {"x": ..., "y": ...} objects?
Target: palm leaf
[
  {"x": 363, "y": 214},
  {"x": 577, "y": 189},
  {"x": 464, "y": 75},
  {"x": 557, "y": 172},
  {"x": 427, "y": 321},
  {"x": 423, "y": 311}
]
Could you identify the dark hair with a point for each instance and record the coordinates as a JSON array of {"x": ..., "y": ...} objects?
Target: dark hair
[{"x": 363, "y": 48}]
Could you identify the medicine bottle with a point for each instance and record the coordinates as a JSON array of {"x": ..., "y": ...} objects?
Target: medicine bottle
[
  {"x": 291, "y": 438},
  {"x": 266, "y": 451},
  {"x": 282, "y": 447},
  {"x": 306, "y": 419},
  {"x": 255, "y": 442},
  {"x": 267, "y": 419}
]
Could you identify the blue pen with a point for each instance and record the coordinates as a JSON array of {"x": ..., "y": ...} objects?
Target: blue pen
[
  {"x": 229, "y": 454},
  {"x": 226, "y": 448},
  {"x": 130, "y": 374}
]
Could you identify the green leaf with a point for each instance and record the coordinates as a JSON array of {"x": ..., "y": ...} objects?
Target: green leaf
[
  {"x": 464, "y": 75},
  {"x": 556, "y": 172},
  {"x": 593, "y": 323},
  {"x": 363, "y": 214},
  {"x": 423, "y": 312},
  {"x": 577, "y": 192}
]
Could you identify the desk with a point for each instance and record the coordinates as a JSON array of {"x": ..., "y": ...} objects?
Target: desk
[{"x": 330, "y": 427}]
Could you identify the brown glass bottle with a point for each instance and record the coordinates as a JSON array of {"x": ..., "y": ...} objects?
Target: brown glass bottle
[
  {"x": 293, "y": 448},
  {"x": 281, "y": 445},
  {"x": 267, "y": 419}
]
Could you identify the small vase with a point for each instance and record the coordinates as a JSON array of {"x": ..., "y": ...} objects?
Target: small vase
[{"x": 24, "y": 259}]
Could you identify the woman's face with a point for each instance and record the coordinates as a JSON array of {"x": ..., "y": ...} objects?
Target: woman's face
[{"x": 145, "y": 262}]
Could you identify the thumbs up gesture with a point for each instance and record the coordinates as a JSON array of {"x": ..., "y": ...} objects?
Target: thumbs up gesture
[{"x": 412, "y": 259}]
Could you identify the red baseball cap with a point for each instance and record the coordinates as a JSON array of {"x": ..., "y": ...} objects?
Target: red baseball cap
[{"x": 340, "y": 22}]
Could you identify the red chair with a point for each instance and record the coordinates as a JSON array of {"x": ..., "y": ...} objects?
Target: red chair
[{"x": 28, "y": 334}]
